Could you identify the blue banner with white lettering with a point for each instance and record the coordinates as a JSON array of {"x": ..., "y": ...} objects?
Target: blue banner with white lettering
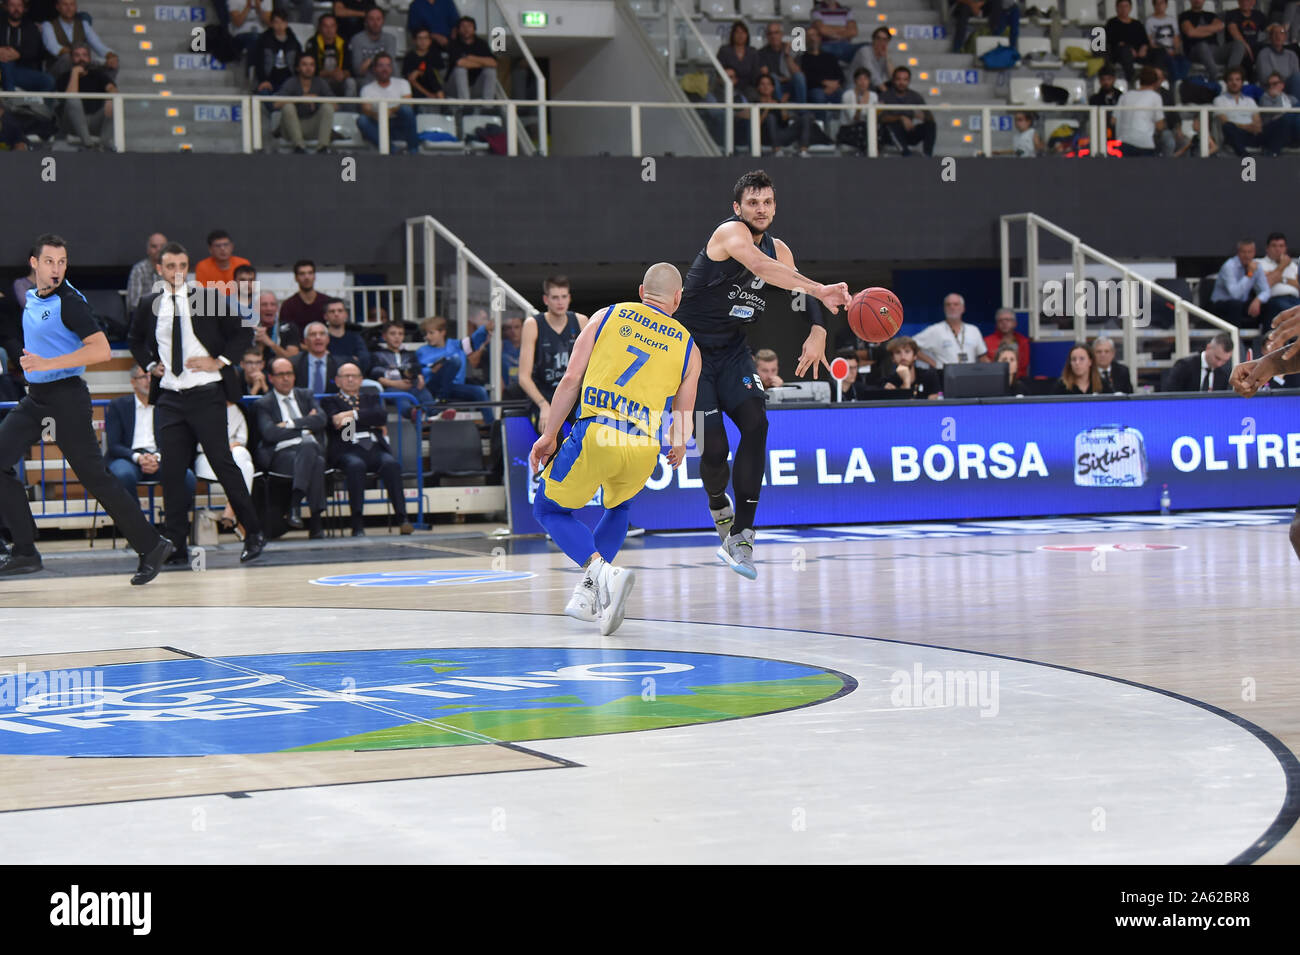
[{"x": 941, "y": 461}]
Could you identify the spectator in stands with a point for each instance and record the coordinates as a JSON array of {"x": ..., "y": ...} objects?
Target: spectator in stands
[
  {"x": 1207, "y": 371},
  {"x": 853, "y": 124},
  {"x": 1280, "y": 275},
  {"x": 1165, "y": 47},
  {"x": 1008, "y": 354},
  {"x": 241, "y": 302},
  {"x": 220, "y": 264},
  {"x": 1001, "y": 14},
  {"x": 292, "y": 428},
  {"x": 476, "y": 345},
  {"x": 902, "y": 128},
  {"x": 84, "y": 118},
  {"x": 780, "y": 128},
  {"x": 145, "y": 272},
  {"x": 1275, "y": 58},
  {"x": 237, "y": 434},
  {"x": 1079, "y": 375},
  {"x": 60, "y": 33},
  {"x": 875, "y": 59},
  {"x": 345, "y": 344},
  {"x": 951, "y": 341},
  {"x": 367, "y": 44},
  {"x": 133, "y": 454},
  {"x": 736, "y": 54},
  {"x": 1004, "y": 334},
  {"x": 776, "y": 60},
  {"x": 351, "y": 16},
  {"x": 248, "y": 18},
  {"x": 1114, "y": 375},
  {"x": 1107, "y": 93},
  {"x": 401, "y": 119},
  {"x": 1138, "y": 128},
  {"x": 275, "y": 55},
  {"x": 767, "y": 364},
  {"x": 397, "y": 370},
  {"x": 276, "y": 341},
  {"x": 1242, "y": 122},
  {"x": 12, "y": 137},
  {"x": 252, "y": 373},
  {"x": 1026, "y": 143},
  {"x": 361, "y": 448},
  {"x": 1247, "y": 32},
  {"x": 821, "y": 70},
  {"x": 1240, "y": 288},
  {"x": 331, "y": 52},
  {"x": 300, "y": 121},
  {"x": 423, "y": 67},
  {"x": 305, "y": 305},
  {"x": 473, "y": 68},
  {"x": 907, "y": 377},
  {"x": 512, "y": 333},
  {"x": 442, "y": 363},
  {"x": 1126, "y": 40},
  {"x": 22, "y": 52},
  {"x": 314, "y": 367},
  {"x": 439, "y": 17},
  {"x": 1283, "y": 128},
  {"x": 838, "y": 28},
  {"x": 1200, "y": 29}
]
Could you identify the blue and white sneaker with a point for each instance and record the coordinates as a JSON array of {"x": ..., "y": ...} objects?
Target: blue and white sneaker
[{"x": 738, "y": 552}]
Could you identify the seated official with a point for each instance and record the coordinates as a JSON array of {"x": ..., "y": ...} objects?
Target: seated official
[
  {"x": 133, "y": 453},
  {"x": 1008, "y": 354},
  {"x": 355, "y": 422},
  {"x": 854, "y": 386},
  {"x": 292, "y": 428},
  {"x": 907, "y": 378},
  {"x": 1207, "y": 370},
  {"x": 1079, "y": 376},
  {"x": 1115, "y": 377}
]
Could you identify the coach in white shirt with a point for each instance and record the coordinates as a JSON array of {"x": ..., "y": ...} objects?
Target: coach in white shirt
[
  {"x": 401, "y": 119},
  {"x": 952, "y": 341},
  {"x": 1137, "y": 126}
]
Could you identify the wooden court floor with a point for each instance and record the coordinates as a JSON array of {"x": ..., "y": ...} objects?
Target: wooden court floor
[{"x": 1210, "y": 619}]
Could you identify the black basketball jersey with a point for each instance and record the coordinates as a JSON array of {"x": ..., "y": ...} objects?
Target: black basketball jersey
[
  {"x": 551, "y": 359},
  {"x": 719, "y": 298}
]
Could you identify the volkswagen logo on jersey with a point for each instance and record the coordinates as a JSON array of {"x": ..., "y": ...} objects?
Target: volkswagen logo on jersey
[{"x": 625, "y": 331}]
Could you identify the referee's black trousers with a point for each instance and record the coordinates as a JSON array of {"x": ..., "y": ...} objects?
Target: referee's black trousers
[
  {"x": 65, "y": 403},
  {"x": 181, "y": 421}
]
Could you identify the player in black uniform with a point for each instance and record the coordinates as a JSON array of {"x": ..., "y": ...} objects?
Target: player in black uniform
[
  {"x": 728, "y": 287},
  {"x": 544, "y": 349}
]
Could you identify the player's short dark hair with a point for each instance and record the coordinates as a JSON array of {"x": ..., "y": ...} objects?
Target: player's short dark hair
[
  {"x": 301, "y": 263},
  {"x": 755, "y": 179},
  {"x": 50, "y": 239},
  {"x": 1223, "y": 340},
  {"x": 216, "y": 234},
  {"x": 554, "y": 281},
  {"x": 1273, "y": 236},
  {"x": 175, "y": 248}
]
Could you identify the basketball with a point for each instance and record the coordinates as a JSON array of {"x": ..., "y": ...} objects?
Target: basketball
[{"x": 875, "y": 314}]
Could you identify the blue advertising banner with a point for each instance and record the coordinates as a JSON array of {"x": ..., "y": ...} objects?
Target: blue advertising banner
[{"x": 944, "y": 460}]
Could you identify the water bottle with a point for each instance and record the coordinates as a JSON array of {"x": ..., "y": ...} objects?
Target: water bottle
[{"x": 1164, "y": 499}]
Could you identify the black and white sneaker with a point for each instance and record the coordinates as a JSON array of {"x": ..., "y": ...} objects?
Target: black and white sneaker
[{"x": 722, "y": 518}]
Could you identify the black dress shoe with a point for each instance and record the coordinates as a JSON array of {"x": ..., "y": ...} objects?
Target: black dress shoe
[
  {"x": 294, "y": 520},
  {"x": 12, "y": 565},
  {"x": 253, "y": 546},
  {"x": 152, "y": 562}
]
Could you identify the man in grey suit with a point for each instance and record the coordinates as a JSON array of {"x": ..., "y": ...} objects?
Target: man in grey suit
[{"x": 293, "y": 442}]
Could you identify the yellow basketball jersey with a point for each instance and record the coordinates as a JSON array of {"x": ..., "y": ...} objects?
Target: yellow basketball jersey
[{"x": 637, "y": 364}]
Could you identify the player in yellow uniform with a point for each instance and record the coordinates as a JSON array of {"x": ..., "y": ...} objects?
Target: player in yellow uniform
[{"x": 631, "y": 362}]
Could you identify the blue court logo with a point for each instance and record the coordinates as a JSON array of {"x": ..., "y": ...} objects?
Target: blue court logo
[
  {"x": 423, "y": 578},
  {"x": 349, "y": 701}
]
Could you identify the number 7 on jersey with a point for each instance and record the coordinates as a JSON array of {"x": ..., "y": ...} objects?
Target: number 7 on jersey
[{"x": 641, "y": 358}]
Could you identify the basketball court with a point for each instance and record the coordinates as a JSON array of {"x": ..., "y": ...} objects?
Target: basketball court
[{"x": 1117, "y": 690}]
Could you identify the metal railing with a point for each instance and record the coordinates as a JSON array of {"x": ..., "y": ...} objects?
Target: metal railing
[
  {"x": 729, "y": 93},
  {"x": 961, "y": 115},
  {"x": 429, "y": 230},
  {"x": 87, "y": 507},
  {"x": 1080, "y": 255}
]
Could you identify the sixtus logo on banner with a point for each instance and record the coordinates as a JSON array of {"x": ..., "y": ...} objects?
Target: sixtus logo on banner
[
  {"x": 1110, "y": 456},
  {"x": 215, "y": 299}
]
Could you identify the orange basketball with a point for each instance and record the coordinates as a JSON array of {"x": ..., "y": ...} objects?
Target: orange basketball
[{"x": 875, "y": 314}]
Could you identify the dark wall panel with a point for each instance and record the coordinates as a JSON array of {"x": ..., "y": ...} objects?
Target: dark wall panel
[{"x": 601, "y": 210}]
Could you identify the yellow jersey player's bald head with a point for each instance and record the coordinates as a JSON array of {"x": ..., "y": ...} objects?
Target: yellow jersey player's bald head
[{"x": 662, "y": 287}]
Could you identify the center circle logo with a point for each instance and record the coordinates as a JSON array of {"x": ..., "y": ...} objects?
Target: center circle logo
[{"x": 368, "y": 700}]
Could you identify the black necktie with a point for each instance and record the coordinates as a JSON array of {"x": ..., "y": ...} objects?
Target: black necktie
[
  {"x": 178, "y": 350},
  {"x": 1205, "y": 382},
  {"x": 1105, "y": 379}
]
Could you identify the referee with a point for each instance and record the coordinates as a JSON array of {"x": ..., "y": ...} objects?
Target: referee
[{"x": 60, "y": 340}]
